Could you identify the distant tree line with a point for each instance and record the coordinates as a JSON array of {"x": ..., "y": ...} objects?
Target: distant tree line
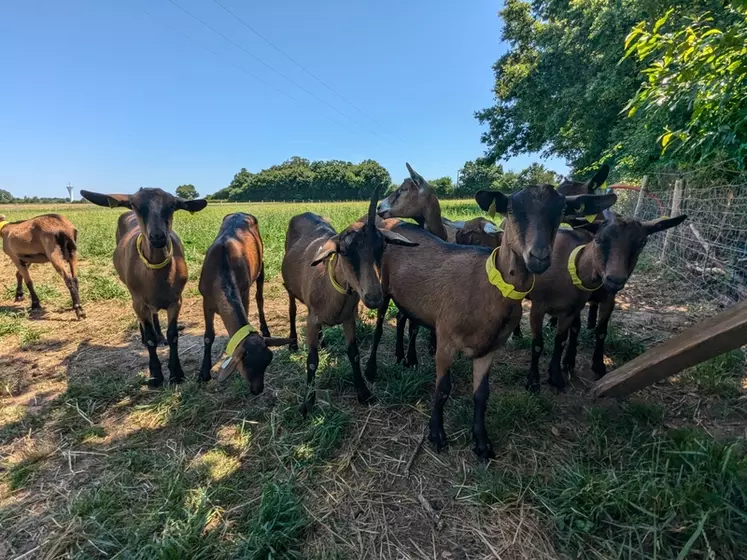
[
  {"x": 7, "y": 198},
  {"x": 299, "y": 179}
]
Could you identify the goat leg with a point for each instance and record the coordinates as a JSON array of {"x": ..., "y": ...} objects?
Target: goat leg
[
  {"x": 159, "y": 333},
  {"x": 536, "y": 316},
  {"x": 481, "y": 391},
  {"x": 592, "y": 319},
  {"x": 411, "y": 360},
  {"x": 207, "y": 358},
  {"x": 19, "y": 286},
  {"x": 433, "y": 344},
  {"x": 555, "y": 374},
  {"x": 260, "y": 297},
  {"x": 23, "y": 269},
  {"x": 399, "y": 348},
  {"x": 172, "y": 333},
  {"x": 312, "y": 363},
  {"x": 151, "y": 342},
  {"x": 364, "y": 394},
  {"x": 517, "y": 332},
  {"x": 371, "y": 365},
  {"x": 437, "y": 434},
  {"x": 293, "y": 346},
  {"x": 569, "y": 360},
  {"x": 600, "y": 334}
]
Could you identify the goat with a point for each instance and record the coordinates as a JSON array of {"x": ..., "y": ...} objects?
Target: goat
[
  {"x": 330, "y": 272},
  {"x": 472, "y": 295},
  {"x": 603, "y": 262},
  {"x": 49, "y": 238},
  {"x": 149, "y": 259},
  {"x": 416, "y": 199},
  {"x": 232, "y": 264},
  {"x": 569, "y": 187}
]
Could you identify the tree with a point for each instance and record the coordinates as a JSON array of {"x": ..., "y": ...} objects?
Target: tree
[
  {"x": 697, "y": 82},
  {"x": 5, "y": 197},
  {"x": 537, "y": 174},
  {"x": 188, "y": 192},
  {"x": 443, "y": 186},
  {"x": 564, "y": 83}
]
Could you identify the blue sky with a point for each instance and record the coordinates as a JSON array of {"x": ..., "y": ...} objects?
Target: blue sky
[{"x": 112, "y": 96}]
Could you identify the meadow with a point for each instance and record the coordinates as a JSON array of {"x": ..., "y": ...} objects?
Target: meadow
[{"x": 95, "y": 465}]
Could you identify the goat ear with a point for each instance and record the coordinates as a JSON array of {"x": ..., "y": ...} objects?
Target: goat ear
[
  {"x": 191, "y": 206},
  {"x": 396, "y": 239},
  {"x": 586, "y": 204},
  {"x": 492, "y": 202},
  {"x": 416, "y": 177},
  {"x": 108, "y": 200},
  {"x": 231, "y": 367},
  {"x": 275, "y": 341},
  {"x": 661, "y": 224},
  {"x": 325, "y": 250},
  {"x": 599, "y": 178}
]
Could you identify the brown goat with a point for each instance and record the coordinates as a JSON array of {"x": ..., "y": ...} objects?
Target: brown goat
[
  {"x": 472, "y": 295},
  {"x": 569, "y": 187},
  {"x": 49, "y": 238},
  {"x": 416, "y": 199},
  {"x": 605, "y": 263},
  {"x": 232, "y": 264},
  {"x": 330, "y": 272},
  {"x": 149, "y": 259}
]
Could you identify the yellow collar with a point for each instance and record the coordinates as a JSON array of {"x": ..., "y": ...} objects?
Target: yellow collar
[
  {"x": 2, "y": 225},
  {"x": 495, "y": 278},
  {"x": 574, "y": 273},
  {"x": 167, "y": 260},
  {"x": 238, "y": 337},
  {"x": 335, "y": 285}
]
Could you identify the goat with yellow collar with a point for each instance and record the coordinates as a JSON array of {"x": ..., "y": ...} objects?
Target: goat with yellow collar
[{"x": 584, "y": 262}]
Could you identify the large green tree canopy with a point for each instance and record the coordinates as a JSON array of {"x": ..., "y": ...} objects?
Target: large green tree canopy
[{"x": 565, "y": 83}]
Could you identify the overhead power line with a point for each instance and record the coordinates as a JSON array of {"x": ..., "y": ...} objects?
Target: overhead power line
[
  {"x": 245, "y": 71},
  {"x": 309, "y": 72},
  {"x": 273, "y": 69}
]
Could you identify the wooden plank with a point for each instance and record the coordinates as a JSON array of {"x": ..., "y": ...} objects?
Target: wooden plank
[
  {"x": 641, "y": 196},
  {"x": 676, "y": 201},
  {"x": 716, "y": 335}
]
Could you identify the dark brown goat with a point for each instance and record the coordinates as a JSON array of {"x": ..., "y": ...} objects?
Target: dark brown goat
[
  {"x": 149, "y": 259},
  {"x": 599, "y": 262},
  {"x": 472, "y": 295},
  {"x": 50, "y": 238},
  {"x": 330, "y": 272},
  {"x": 232, "y": 264},
  {"x": 569, "y": 187}
]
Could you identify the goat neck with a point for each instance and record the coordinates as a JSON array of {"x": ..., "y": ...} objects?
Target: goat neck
[
  {"x": 432, "y": 217},
  {"x": 586, "y": 267},
  {"x": 153, "y": 255}
]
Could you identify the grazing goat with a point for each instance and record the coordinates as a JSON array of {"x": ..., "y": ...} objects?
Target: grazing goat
[
  {"x": 149, "y": 259},
  {"x": 472, "y": 295},
  {"x": 329, "y": 272},
  {"x": 232, "y": 264},
  {"x": 603, "y": 263},
  {"x": 49, "y": 238},
  {"x": 416, "y": 199}
]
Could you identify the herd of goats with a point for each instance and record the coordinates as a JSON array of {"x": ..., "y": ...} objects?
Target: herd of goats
[{"x": 559, "y": 247}]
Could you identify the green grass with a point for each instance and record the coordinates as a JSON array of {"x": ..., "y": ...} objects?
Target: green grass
[{"x": 215, "y": 472}]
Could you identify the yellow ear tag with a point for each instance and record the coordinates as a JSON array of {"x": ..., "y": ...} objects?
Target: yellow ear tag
[
  {"x": 491, "y": 209},
  {"x": 603, "y": 186},
  {"x": 590, "y": 217}
]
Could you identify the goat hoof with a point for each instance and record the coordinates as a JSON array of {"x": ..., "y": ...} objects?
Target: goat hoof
[
  {"x": 265, "y": 331},
  {"x": 438, "y": 439},
  {"x": 599, "y": 371},
  {"x": 365, "y": 396},
  {"x": 203, "y": 378},
  {"x": 35, "y": 305},
  {"x": 410, "y": 362},
  {"x": 19, "y": 297},
  {"x": 533, "y": 387},
  {"x": 483, "y": 450},
  {"x": 176, "y": 380},
  {"x": 155, "y": 382},
  {"x": 293, "y": 346},
  {"x": 80, "y": 314}
]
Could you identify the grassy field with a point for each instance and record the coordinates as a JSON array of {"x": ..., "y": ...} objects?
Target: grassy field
[{"x": 94, "y": 465}]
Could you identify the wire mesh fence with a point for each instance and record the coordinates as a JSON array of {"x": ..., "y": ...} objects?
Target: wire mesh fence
[{"x": 704, "y": 259}]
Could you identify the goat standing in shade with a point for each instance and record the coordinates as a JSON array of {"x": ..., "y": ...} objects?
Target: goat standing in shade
[
  {"x": 232, "y": 264},
  {"x": 149, "y": 259},
  {"x": 330, "y": 273},
  {"x": 50, "y": 238},
  {"x": 472, "y": 295}
]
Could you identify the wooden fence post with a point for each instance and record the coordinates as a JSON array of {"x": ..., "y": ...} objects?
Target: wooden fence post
[
  {"x": 641, "y": 196},
  {"x": 676, "y": 200}
]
